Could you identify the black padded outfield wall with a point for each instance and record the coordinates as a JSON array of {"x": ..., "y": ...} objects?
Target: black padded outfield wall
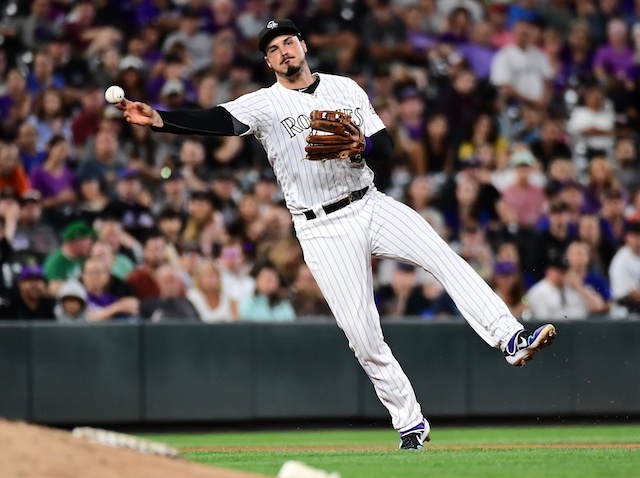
[
  {"x": 15, "y": 370},
  {"x": 194, "y": 372},
  {"x": 85, "y": 373},
  {"x": 176, "y": 372}
]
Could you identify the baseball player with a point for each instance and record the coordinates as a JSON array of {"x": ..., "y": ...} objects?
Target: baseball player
[{"x": 340, "y": 219}]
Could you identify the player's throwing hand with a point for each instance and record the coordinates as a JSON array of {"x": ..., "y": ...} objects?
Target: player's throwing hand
[{"x": 139, "y": 113}]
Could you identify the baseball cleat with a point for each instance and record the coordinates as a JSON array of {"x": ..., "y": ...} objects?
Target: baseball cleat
[
  {"x": 414, "y": 438},
  {"x": 525, "y": 344}
]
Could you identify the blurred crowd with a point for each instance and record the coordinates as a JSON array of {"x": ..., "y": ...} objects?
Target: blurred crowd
[{"x": 515, "y": 129}]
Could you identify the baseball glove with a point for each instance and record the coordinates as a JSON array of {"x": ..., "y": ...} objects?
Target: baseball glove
[{"x": 334, "y": 136}]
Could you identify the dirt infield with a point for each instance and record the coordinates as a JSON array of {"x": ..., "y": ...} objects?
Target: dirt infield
[
  {"x": 622, "y": 446},
  {"x": 28, "y": 451}
]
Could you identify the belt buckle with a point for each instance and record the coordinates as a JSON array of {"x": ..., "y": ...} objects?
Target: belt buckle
[{"x": 356, "y": 195}]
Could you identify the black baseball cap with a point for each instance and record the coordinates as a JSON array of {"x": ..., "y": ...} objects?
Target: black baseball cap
[
  {"x": 168, "y": 213},
  {"x": 557, "y": 263},
  {"x": 199, "y": 194},
  {"x": 273, "y": 29},
  {"x": 190, "y": 12}
]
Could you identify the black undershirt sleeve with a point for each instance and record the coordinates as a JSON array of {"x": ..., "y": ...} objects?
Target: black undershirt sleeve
[
  {"x": 210, "y": 122},
  {"x": 382, "y": 147}
]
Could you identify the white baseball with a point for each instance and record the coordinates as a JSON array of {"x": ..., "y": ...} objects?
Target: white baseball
[{"x": 114, "y": 94}]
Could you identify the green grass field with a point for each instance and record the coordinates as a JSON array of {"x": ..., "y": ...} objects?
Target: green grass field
[{"x": 514, "y": 452}]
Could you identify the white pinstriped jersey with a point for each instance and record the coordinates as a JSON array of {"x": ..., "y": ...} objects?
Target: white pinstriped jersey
[
  {"x": 279, "y": 119},
  {"x": 338, "y": 246}
]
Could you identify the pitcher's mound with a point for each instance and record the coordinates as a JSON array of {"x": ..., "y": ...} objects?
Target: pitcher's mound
[{"x": 28, "y": 451}]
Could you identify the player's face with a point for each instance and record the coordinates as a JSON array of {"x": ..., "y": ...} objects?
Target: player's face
[{"x": 285, "y": 55}]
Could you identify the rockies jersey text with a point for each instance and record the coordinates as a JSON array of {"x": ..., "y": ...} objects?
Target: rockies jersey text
[{"x": 279, "y": 119}]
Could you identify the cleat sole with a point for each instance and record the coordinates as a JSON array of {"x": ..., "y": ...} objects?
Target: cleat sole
[{"x": 545, "y": 339}]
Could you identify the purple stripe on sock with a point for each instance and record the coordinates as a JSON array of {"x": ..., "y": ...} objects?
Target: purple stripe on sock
[{"x": 418, "y": 427}]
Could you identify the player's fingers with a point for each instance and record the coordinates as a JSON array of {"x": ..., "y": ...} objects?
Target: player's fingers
[
  {"x": 137, "y": 118},
  {"x": 122, "y": 106},
  {"x": 137, "y": 106}
]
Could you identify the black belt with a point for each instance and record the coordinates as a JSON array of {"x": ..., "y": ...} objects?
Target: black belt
[{"x": 335, "y": 206}]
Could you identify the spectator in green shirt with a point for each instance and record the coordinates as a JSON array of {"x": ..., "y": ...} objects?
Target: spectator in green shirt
[
  {"x": 119, "y": 265},
  {"x": 66, "y": 262},
  {"x": 268, "y": 303}
]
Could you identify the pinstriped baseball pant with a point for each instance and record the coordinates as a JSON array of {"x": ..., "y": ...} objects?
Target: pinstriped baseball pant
[{"x": 338, "y": 249}]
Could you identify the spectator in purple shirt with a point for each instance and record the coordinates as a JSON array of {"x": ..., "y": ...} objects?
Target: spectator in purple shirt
[
  {"x": 146, "y": 12},
  {"x": 105, "y": 301},
  {"x": 479, "y": 51},
  {"x": 576, "y": 56},
  {"x": 43, "y": 75},
  {"x": 27, "y": 142},
  {"x": 49, "y": 117},
  {"x": 612, "y": 219},
  {"x": 146, "y": 45},
  {"x": 602, "y": 179},
  {"x": 460, "y": 104},
  {"x": 222, "y": 19},
  {"x": 55, "y": 181},
  {"x": 411, "y": 123},
  {"x": 15, "y": 103},
  {"x": 459, "y": 26},
  {"x": 615, "y": 59}
]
